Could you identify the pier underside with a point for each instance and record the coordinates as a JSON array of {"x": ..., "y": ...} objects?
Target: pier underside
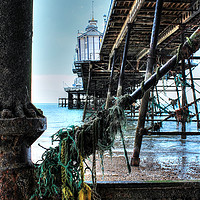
[
  {"x": 177, "y": 17},
  {"x": 125, "y": 52}
]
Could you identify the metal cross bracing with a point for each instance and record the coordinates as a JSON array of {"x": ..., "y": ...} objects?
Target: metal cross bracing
[{"x": 177, "y": 16}]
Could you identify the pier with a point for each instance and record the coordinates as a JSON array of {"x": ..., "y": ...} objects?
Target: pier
[
  {"x": 139, "y": 38},
  {"x": 62, "y": 102},
  {"x": 143, "y": 41},
  {"x": 145, "y": 61},
  {"x": 148, "y": 53}
]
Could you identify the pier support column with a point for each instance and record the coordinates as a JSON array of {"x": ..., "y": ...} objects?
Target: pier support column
[
  {"x": 20, "y": 122},
  {"x": 87, "y": 92},
  {"x": 151, "y": 61},
  {"x": 184, "y": 99},
  {"x": 121, "y": 76},
  {"x": 158, "y": 100},
  {"x": 133, "y": 104},
  {"x": 194, "y": 94},
  {"x": 78, "y": 101},
  {"x": 152, "y": 108},
  {"x": 177, "y": 92},
  {"x": 110, "y": 82},
  {"x": 70, "y": 100}
]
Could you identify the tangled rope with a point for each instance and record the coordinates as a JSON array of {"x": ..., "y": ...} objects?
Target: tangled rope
[{"x": 61, "y": 171}]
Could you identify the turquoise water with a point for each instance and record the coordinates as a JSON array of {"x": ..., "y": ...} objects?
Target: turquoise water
[
  {"x": 165, "y": 150},
  {"x": 57, "y": 118}
]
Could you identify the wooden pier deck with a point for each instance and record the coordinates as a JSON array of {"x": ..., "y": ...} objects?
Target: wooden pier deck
[{"x": 177, "y": 17}]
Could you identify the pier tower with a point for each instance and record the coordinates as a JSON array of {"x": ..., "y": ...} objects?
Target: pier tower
[
  {"x": 87, "y": 55},
  {"x": 89, "y": 42}
]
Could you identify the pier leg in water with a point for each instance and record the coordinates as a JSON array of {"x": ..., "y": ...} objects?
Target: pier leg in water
[
  {"x": 78, "y": 101},
  {"x": 20, "y": 122},
  {"x": 87, "y": 92},
  {"x": 70, "y": 100},
  {"x": 135, "y": 160},
  {"x": 184, "y": 100}
]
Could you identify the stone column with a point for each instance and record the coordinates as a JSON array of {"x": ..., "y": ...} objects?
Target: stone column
[{"x": 20, "y": 122}]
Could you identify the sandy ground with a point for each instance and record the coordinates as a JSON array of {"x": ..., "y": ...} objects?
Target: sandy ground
[{"x": 116, "y": 170}]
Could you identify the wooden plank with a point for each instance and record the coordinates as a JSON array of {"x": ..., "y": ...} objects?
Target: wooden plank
[{"x": 131, "y": 16}]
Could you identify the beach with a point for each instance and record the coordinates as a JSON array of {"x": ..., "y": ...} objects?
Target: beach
[
  {"x": 115, "y": 169},
  {"x": 162, "y": 157}
]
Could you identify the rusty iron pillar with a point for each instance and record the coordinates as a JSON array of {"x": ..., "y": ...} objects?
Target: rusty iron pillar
[
  {"x": 20, "y": 122},
  {"x": 135, "y": 160}
]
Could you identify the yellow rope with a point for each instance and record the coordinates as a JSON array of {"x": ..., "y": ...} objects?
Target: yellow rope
[
  {"x": 66, "y": 192},
  {"x": 85, "y": 192}
]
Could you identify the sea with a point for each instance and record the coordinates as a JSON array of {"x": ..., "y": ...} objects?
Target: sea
[
  {"x": 159, "y": 149},
  {"x": 57, "y": 118}
]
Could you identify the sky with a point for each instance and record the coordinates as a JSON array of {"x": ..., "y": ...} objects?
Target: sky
[{"x": 55, "y": 27}]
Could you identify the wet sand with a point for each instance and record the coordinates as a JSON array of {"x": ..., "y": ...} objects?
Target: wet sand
[
  {"x": 149, "y": 170},
  {"x": 164, "y": 158}
]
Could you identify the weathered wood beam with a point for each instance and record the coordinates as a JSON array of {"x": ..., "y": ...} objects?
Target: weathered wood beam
[
  {"x": 111, "y": 38},
  {"x": 150, "y": 23},
  {"x": 164, "y": 10},
  {"x": 169, "y": 31},
  {"x": 119, "y": 15},
  {"x": 116, "y": 23},
  {"x": 168, "y": 16},
  {"x": 162, "y": 36},
  {"x": 122, "y": 8},
  {"x": 130, "y": 17},
  {"x": 113, "y": 30},
  {"x": 108, "y": 23}
]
